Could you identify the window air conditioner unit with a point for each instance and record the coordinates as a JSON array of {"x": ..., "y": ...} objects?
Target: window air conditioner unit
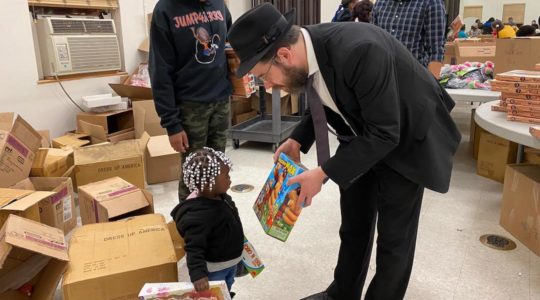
[{"x": 74, "y": 46}]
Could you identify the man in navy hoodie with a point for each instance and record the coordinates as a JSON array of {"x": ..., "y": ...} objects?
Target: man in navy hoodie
[{"x": 188, "y": 72}]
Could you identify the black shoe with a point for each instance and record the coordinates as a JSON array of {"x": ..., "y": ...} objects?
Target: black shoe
[
  {"x": 318, "y": 296},
  {"x": 241, "y": 270}
]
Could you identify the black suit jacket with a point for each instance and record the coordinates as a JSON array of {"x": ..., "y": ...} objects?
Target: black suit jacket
[{"x": 397, "y": 108}]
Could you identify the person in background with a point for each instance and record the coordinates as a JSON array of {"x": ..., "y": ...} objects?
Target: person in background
[
  {"x": 188, "y": 72},
  {"x": 462, "y": 34},
  {"x": 362, "y": 11},
  {"x": 502, "y": 31},
  {"x": 344, "y": 11},
  {"x": 392, "y": 120},
  {"x": 479, "y": 24},
  {"x": 511, "y": 21},
  {"x": 419, "y": 25},
  {"x": 208, "y": 220},
  {"x": 474, "y": 32},
  {"x": 486, "y": 29},
  {"x": 526, "y": 30}
]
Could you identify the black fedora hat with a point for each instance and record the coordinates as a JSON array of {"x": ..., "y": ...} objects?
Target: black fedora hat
[{"x": 256, "y": 32}]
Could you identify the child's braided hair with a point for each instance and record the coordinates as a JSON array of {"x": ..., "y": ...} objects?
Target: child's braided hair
[{"x": 202, "y": 167}]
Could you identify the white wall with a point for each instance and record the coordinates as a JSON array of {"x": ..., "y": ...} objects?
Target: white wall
[
  {"x": 328, "y": 9},
  {"x": 45, "y": 106},
  {"x": 494, "y": 8}
]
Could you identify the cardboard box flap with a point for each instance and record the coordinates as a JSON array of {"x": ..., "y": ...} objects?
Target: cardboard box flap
[
  {"x": 145, "y": 46},
  {"x": 124, "y": 204},
  {"x": 147, "y": 119},
  {"x": 36, "y": 237},
  {"x": 47, "y": 183},
  {"x": 25, "y": 202},
  {"x": 26, "y": 134},
  {"x": 72, "y": 139},
  {"x": 139, "y": 114},
  {"x": 108, "y": 152},
  {"x": 529, "y": 170},
  {"x": 6, "y": 120},
  {"x": 143, "y": 141},
  {"x": 108, "y": 188},
  {"x": 92, "y": 130},
  {"x": 160, "y": 146},
  {"x": 137, "y": 243},
  {"x": 178, "y": 241},
  {"x": 25, "y": 184},
  {"x": 9, "y": 195},
  {"x": 130, "y": 91},
  {"x": 45, "y": 138}
]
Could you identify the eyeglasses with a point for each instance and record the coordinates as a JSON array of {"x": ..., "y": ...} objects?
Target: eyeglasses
[{"x": 263, "y": 76}]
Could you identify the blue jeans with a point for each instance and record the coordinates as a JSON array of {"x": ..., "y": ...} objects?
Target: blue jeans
[{"x": 225, "y": 274}]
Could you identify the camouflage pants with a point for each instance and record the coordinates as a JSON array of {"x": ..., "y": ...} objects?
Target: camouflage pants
[{"x": 205, "y": 125}]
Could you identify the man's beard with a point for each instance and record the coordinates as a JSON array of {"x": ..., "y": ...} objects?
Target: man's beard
[{"x": 295, "y": 78}]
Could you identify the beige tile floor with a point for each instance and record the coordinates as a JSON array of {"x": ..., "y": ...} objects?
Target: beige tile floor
[{"x": 450, "y": 262}]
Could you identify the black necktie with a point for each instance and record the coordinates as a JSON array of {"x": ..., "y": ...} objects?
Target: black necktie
[{"x": 319, "y": 122}]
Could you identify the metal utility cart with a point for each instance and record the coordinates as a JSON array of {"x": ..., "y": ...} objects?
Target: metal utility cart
[{"x": 264, "y": 128}]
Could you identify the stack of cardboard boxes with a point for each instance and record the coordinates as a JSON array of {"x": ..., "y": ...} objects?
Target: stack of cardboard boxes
[{"x": 106, "y": 259}]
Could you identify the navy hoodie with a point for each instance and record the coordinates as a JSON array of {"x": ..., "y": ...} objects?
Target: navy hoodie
[{"x": 187, "y": 57}]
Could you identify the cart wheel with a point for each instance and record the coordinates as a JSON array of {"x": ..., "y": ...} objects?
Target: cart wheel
[{"x": 236, "y": 144}]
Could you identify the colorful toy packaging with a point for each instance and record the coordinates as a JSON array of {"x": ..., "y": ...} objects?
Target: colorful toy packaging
[
  {"x": 251, "y": 259},
  {"x": 184, "y": 291},
  {"x": 276, "y": 204}
]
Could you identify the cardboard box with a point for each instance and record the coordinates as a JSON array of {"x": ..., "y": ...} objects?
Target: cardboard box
[
  {"x": 71, "y": 140},
  {"x": 146, "y": 118},
  {"x": 184, "y": 290},
  {"x": 52, "y": 162},
  {"x": 161, "y": 160},
  {"x": 237, "y": 119},
  {"x": 531, "y": 156},
  {"x": 114, "y": 260},
  {"x": 124, "y": 89},
  {"x": 57, "y": 210},
  {"x": 474, "y": 137},
  {"x": 19, "y": 202},
  {"x": 123, "y": 159},
  {"x": 494, "y": 153},
  {"x": 520, "y": 212},
  {"x": 289, "y": 103},
  {"x": 517, "y": 54},
  {"x": 276, "y": 206},
  {"x": 22, "y": 242},
  {"x": 449, "y": 54},
  {"x": 18, "y": 145},
  {"x": 45, "y": 138},
  {"x": 113, "y": 199},
  {"x": 475, "y": 50},
  {"x": 113, "y": 126}
]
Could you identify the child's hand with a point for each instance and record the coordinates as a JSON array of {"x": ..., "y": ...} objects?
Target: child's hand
[{"x": 201, "y": 284}]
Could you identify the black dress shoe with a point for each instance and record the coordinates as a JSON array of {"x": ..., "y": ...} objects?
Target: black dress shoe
[{"x": 318, "y": 296}]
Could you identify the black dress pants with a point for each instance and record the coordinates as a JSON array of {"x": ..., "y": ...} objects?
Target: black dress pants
[{"x": 383, "y": 198}]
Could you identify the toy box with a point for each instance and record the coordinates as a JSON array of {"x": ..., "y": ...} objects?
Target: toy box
[
  {"x": 276, "y": 204},
  {"x": 251, "y": 259},
  {"x": 184, "y": 291}
]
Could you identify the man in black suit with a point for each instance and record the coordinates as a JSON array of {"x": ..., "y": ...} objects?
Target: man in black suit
[{"x": 393, "y": 123}]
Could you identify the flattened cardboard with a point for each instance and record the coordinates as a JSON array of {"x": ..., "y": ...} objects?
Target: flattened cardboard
[
  {"x": 123, "y": 159},
  {"x": 71, "y": 140},
  {"x": 18, "y": 145},
  {"x": 52, "y": 162},
  {"x": 520, "y": 210},
  {"x": 21, "y": 202},
  {"x": 162, "y": 161},
  {"x": 114, "y": 260},
  {"x": 112, "y": 198},
  {"x": 59, "y": 209},
  {"x": 21, "y": 235}
]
